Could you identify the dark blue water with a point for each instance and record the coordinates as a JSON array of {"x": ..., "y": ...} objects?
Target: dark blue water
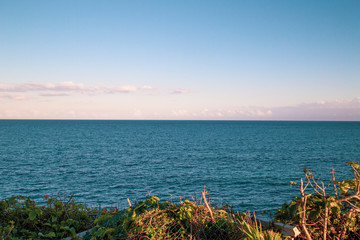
[{"x": 246, "y": 163}]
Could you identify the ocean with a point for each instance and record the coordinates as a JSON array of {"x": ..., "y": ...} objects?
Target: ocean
[{"x": 247, "y": 164}]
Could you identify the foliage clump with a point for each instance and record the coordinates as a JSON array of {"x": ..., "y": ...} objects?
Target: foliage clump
[
  {"x": 326, "y": 211},
  {"x": 151, "y": 219},
  {"x": 22, "y": 218}
]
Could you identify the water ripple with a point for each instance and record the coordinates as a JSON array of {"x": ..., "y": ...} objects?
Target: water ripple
[{"x": 248, "y": 164}]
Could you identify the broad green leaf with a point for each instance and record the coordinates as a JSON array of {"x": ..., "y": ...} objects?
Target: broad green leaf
[
  {"x": 293, "y": 209},
  {"x": 51, "y": 234},
  {"x": 314, "y": 215},
  {"x": 32, "y": 215}
]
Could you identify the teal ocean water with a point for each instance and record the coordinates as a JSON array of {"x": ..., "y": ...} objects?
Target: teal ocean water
[{"x": 246, "y": 163}]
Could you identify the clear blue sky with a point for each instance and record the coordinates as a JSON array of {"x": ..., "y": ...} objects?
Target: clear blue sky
[{"x": 296, "y": 60}]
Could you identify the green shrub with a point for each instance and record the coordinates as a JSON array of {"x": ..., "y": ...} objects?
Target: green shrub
[
  {"x": 154, "y": 220},
  {"x": 21, "y": 218}
]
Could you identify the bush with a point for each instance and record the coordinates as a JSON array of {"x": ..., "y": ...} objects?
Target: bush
[
  {"x": 326, "y": 211},
  {"x": 154, "y": 220},
  {"x": 20, "y": 217}
]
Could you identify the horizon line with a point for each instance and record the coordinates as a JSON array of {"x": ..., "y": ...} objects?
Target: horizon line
[{"x": 198, "y": 120}]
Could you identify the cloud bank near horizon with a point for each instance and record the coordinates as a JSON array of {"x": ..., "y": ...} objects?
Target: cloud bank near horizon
[
  {"x": 345, "y": 109},
  {"x": 338, "y": 110},
  {"x": 331, "y": 110}
]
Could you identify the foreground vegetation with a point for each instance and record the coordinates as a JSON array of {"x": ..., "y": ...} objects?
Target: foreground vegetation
[
  {"x": 321, "y": 211},
  {"x": 329, "y": 211},
  {"x": 21, "y": 218}
]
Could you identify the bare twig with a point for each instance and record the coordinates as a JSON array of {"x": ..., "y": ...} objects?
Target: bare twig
[
  {"x": 208, "y": 207},
  {"x": 303, "y": 203},
  {"x": 326, "y": 217},
  {"x": 209, "y": 198}
]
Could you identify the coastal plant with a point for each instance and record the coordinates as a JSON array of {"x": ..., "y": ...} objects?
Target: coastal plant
[
  {"x": 151, "y": 219},
  {"x": 325, "y": 211},
  {"x": 22, "y": 218},
  {"x": 252, "y": 229},
  {"x": 254, "y": 232}
]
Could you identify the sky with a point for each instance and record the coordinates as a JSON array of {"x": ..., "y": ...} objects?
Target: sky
[{"x": 180, "y": 59}]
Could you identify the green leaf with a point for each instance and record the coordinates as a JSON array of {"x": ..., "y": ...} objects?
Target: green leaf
[
  {"x": 51, "y": 234},
  {"x": 314, "y": 215},
  {"x": 32, "y": 215},
  {"x": 293, "y": 209},
  {"x": 12, "y": 201}
]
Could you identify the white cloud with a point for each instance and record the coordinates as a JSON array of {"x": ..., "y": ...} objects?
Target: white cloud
[
  {"x": 180, "y": 112},
  {"x": 239, "y": 113},
  {"x": 336, "y": 110},
  {"x": 18, "y": 97},
  {"x": 31, "y": 87},
  {"x": 53, "y": 89},
  {"x": 180, "y": 91},
  {"x": 54, "y": 94},
  {"x": 120, "y": 89}
]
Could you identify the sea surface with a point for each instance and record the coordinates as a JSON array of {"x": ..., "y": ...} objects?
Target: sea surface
[{"x": 247, "y": 164}]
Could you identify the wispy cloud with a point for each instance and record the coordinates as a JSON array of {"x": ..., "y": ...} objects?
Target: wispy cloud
[
  {"x": 53, "y": 89},
  {"x": 235, "y": 114},
  {"x": 180, "y": 112},
  {"x": 180, "y": 91},
  {"x": 54, "y": 94},
  {"x": 32, "y": 87},
  {"x": 18, "y": 97},
  {"x": 337, "y": 110},
  {"x": 120, "y": 89},
  {"x": 342, "y": 109}
]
